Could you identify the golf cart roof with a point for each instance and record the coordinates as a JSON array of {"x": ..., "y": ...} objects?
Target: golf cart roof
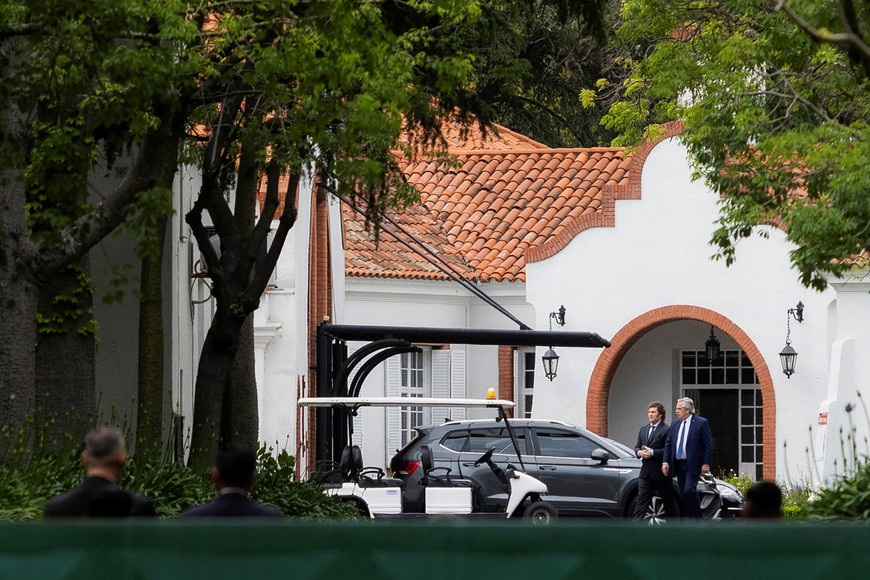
[{"x": 356, "y": 402}]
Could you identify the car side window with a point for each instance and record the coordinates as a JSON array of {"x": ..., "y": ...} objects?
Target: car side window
[
  {"x": 559, "y": 443},
  {"x": 455, "y": 441},
  {"x": 482, "y": 440}
]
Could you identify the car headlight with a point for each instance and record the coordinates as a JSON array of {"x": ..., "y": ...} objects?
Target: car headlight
[{"x": 729, "y": 493}]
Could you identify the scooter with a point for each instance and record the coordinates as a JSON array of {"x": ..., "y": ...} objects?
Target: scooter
[{"x": 710, "y": 498}]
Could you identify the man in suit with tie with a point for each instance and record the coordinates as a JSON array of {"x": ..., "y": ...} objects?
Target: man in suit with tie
[
  {"x": 99, "y": 496},
  {"x": 234, "y": 474},
  {"x": 689, "y": 451},
  {"x": 650, "y": 447}
]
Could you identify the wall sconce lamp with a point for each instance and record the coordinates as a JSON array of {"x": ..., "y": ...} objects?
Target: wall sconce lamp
[
  {"x": 712, "y": 347},
  {"x": 558, "y": 316},
  {"x": 550, "y": 358},
  {"x": 788, "y": 355}
]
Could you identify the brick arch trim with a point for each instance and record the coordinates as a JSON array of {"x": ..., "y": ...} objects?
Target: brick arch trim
[{"x": 605, "y": 369}]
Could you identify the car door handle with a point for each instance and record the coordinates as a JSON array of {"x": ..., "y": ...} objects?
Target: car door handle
[
  {"x": 547, "y": 467},
  {"x": 470, "y": 465}
]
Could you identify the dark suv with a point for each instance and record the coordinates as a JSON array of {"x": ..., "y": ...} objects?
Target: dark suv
[{"x": 586, "y": 475}]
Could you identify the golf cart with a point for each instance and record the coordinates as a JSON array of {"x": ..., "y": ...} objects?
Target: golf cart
[{"x": 379, "y": 496}]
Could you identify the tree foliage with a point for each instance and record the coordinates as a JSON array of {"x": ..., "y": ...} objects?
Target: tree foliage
[
  {"x": 775, "y": 96},
  {"x": 81, "y": 86},
  {"x": 533, "y": 59},
  {"x": 247, "y": 92},
  {"x": 291, "y": 85}
]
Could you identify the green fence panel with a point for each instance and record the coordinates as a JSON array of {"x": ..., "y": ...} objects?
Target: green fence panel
[{"x": 436, "y": 549}]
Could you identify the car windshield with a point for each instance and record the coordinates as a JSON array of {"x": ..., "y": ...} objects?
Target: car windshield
[{"x": 619, "y": 448}]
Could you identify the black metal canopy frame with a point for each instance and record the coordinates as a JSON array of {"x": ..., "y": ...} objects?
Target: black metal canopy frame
[{"x": 335, "y": 425}]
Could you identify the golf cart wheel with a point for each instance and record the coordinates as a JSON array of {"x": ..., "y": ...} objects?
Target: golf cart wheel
[
  {"x": 361, "y": 508},
  {"x": 540, "y": 512}
]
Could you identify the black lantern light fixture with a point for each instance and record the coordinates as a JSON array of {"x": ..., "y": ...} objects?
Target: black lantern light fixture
[
  {"x": 712, "y": 347},
  {"x": 788, "y": 355},
  {"x": 550, "y": 358},
  {"x": 551, "y": 363}
]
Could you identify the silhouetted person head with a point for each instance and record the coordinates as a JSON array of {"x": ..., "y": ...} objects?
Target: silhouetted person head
[
  {"x": 233, "y": 474},
  {"x": 236, "y": 466},
  {"x": 105, "y": 453},
  {"x": 763, "y": 501}
]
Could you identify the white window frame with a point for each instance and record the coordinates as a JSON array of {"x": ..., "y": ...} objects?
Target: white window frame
[
  {"x": 415, "y": 380},
  {"x": 443, "y": 376},
  {"x": 522, "y": 375}
]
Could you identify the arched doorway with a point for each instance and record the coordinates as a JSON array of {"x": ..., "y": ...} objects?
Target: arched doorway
[{"x": 601, "y": 382}]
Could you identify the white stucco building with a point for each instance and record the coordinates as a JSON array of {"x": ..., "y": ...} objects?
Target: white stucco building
[{"x": 623, "y": 244}]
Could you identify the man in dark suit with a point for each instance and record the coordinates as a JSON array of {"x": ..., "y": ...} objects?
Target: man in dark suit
[
  {"x": 99, "y": 496},
  {"x": 689, "y": 449},
  {"x": 650, "y": 447},
  {"x": 234, "y": 474}
]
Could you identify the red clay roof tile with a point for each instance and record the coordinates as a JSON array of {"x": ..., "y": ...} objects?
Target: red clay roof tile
[{"x": 507, "y": 194}]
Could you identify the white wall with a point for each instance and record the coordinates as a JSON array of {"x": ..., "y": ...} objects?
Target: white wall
[
  {"x": 848, "y": 381},
  {"x": 281, "y": 327}
]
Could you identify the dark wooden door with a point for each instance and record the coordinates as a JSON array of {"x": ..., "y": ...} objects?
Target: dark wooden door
[{"x": 721, "y": 408}]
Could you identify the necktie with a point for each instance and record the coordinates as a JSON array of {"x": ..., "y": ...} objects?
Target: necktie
[
  {"x": 652, "y": 429},
  {"x": 681, "y": 441}
]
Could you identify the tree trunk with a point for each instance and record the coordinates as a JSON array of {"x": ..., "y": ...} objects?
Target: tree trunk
[
  {"x": 150, "y": 407},
  {"x": 18, "y": 347},
  {"x": 18, "y": 293},
  {"x": 242, "y": 411},
  {"x": 242, "y": 422},
  {"x": 212, "y": 382},
  {"x": 65, "y": 354}
]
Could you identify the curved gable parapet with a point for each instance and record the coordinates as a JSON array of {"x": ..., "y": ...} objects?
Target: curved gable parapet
[
  {"x": 605, "y": 216},
  {"x": 638, "y": 160}
]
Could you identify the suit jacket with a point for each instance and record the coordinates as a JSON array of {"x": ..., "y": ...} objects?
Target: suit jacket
[
  {"x": 232, "y": 504},
  {"x": 98, "y": 497},
  {"x": 652, "y": 468},
  {"x": 699, "y": 445}
]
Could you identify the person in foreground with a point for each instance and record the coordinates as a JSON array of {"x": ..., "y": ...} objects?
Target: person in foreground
[
  {"x": 234, "y": 474},
  {"x": 689, "y": 449},
  {"x": 99, "y": 496},
  {"x": 763, "y": 501},
  {"x": 650, "y": 447}
]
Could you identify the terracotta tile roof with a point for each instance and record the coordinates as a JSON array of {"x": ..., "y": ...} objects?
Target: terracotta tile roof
[
  {"x": 496, "y": 205},
  {"x": 389, "y": 258},
  {"x": 502, "y": 197}
]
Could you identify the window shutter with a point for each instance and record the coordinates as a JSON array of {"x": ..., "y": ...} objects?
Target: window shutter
[
  {"x": 457, "y": 381},
  {"x": 441, "y": 384},
  {"x": 394, "y": 425}
]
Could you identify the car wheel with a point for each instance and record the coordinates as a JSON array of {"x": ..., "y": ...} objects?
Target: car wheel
[
  {"x": 540, "y": 512},
  {"x": 655, "y": 512}
]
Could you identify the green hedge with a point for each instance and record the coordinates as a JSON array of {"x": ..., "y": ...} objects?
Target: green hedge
[{"x": 32, "y": 474}]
